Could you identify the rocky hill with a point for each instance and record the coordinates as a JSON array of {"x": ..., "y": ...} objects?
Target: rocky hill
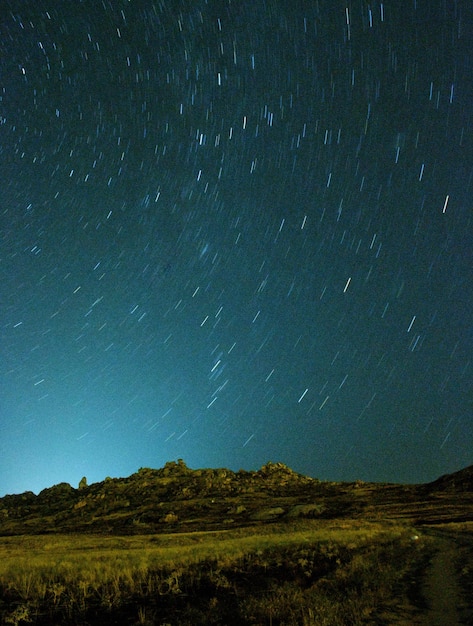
[
  {"x": 157, "y": 500},
  {"x": 176, "y": 498}
]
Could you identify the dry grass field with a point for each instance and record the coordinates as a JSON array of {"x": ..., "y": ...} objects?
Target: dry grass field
[{"x": 322, "y": 573}]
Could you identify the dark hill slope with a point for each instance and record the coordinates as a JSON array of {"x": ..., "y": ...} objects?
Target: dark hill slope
[
  {"x": 461, "y": 481},
  {"x": 176, "y": 498}
]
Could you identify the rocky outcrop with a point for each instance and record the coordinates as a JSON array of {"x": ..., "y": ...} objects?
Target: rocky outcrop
[
  {"x": 158, "y": 500},
  {"x": 176, "y": 498}
]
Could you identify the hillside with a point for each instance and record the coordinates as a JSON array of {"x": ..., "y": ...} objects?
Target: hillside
[
  {"x": 461, "y": 481},
  {"x": 176, "y": 498}
]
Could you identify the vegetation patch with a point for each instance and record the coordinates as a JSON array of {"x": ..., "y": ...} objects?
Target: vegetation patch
[{"x": 304, "y": 573}]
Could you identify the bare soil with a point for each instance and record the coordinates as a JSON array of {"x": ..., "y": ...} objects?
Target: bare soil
[
  {"x": 443, "y": 597},
  {"x": 441, "y": 588}
]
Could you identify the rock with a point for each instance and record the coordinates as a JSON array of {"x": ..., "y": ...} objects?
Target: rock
[
  {"x": 306, "y": 510},
  {"x": 268, "y": 514}
]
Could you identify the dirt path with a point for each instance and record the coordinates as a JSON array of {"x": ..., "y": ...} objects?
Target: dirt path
[
  {"x": 445, "y": 599},
  {"x": 441, "y": 588}
]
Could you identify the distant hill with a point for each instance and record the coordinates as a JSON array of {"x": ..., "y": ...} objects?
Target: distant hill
[
  {"x": 457, "y": 481},
  {"x": 176, "y": 498}
]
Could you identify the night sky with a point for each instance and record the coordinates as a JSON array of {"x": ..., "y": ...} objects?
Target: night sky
[{"x": 235, "y": 232}]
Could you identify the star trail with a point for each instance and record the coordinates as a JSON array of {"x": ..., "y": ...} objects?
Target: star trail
[{"x": 235, "y": 232}]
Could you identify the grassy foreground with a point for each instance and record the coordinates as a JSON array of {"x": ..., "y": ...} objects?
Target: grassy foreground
[{"x": 303, "y": 574}]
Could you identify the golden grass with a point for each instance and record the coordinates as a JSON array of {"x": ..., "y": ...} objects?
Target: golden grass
[
  {"x": 98, "y": 558},
  {"x": 67, "y": 573}
]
